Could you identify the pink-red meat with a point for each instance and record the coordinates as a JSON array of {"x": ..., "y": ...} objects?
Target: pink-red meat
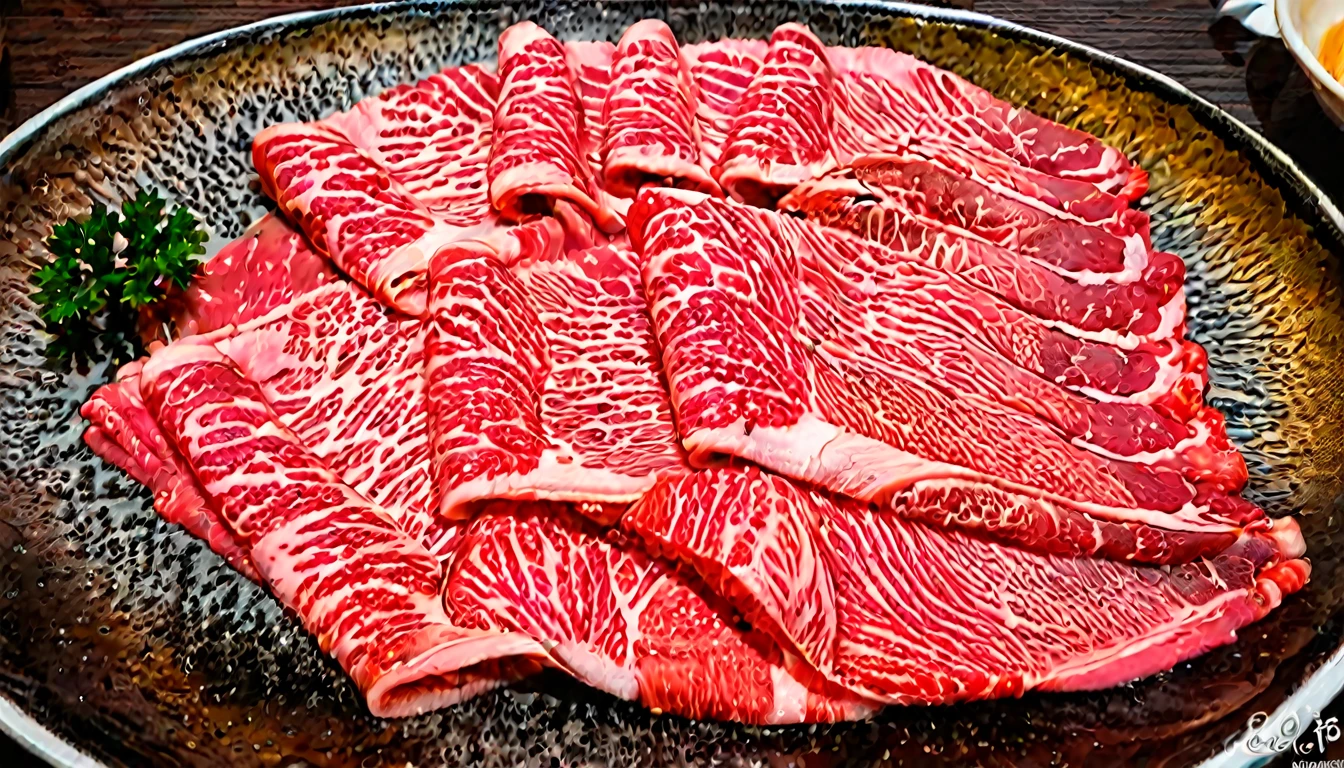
[
  {"x": 591, "y": 64},
  {"x": 722, "y": 72},
  {"x": 862, "y": 308},
  {"x": 945, "y": 104},
  {"x": 651, "y": 133},
  {"x": 881, "y": 115},
  {"x": 782, "y": 134},
  {"x": 955, "y": 346},
  {"x": 538, "y": 154},
  {"x": 746, "y": 380},
  {"x": 123, "y": 432},
  {"x": 366, "y": 590},
  {"x": 1169, "y": 374},
  {"x": 348, "y": 378},
  {"x": 351, "y": 210},
  {"x": 543, "y": 378},
  {"x": 270, "y": 265},
  {"x": 810, "y": 109},
  {"x": 341, "y": 373},
  {"x": 433, "y": 138},
  {"x": 629, "y": 624},
  {"x": 905, "y": 613},
  {"x": 1116, "y": 251},
  {"x": 1151, "y": 307}
]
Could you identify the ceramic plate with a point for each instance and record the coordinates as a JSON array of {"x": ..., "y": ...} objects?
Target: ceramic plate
[{"x": 123, "y": 641}]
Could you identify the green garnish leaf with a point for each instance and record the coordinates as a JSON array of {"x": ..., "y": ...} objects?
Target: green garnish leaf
[{"x": 106, "y": 268}]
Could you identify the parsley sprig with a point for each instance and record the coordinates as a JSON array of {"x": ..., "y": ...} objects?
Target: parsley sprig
[{"x": 108, "y": 267}]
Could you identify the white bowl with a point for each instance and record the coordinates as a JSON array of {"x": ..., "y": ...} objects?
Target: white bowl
[{"x": 1303, "y": 23}]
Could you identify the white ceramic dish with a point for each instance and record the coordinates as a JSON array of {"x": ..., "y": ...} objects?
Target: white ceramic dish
[{"x": 1302, "y": 24}]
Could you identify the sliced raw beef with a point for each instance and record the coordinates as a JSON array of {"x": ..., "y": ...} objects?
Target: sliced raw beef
[
  {"x": 1066, "y": 198},
  {"x": 802, "y": 116},
  {"x": 433, "y": 138},
  {"x": 722, "y": 71},
  {"x": 964, "y": 112},
  {"x": 347, "y": 377},
  {"x": 873, "y": 314},
  {"x": 351, "y": 210},
  {"x": 340, "y": 372},
  {"x": 876, "y": 119},
  {"x": 122, "y": 432},
  {"x": 591, "y": 64},
  {"x": 628, "y": 624},
  {"x": 270, "y": 265},
  {"x": 782, "y": 134},
  {"x": 1170, "y": 374},
  {"x": 366, "y": 590},
  {"x": 543, "y": 378},
  {"x": 486, "y": 367},
  {"x": 1151, "y": 308},
  {"x": 745, "y": 380},
  {"x": 604, "y": 396},
  {"x": 905, "y": 613},
  {"x": 538, "y": 159},
  {"x": 519, "y": 437},
  {"x": 651, "y": 133},
  {"x": 1084, "y": 252}
]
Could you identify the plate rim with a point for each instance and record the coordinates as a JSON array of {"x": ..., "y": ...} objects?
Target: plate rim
[{"x": 41, "y": 741}]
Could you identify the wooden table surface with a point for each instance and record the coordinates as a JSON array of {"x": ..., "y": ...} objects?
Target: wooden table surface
[{"x": 52, "y": 47}]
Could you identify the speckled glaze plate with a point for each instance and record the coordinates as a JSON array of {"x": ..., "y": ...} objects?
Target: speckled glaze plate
[{"x": 123, "y": 641}]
